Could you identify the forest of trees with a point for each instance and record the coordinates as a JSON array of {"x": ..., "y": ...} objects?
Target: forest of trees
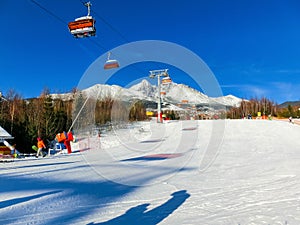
[
  {"x": 27, "y": 119},
  {"x": 265, "y": 107}
]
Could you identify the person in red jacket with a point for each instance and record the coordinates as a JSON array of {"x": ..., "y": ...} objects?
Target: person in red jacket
[
  {"x": 67, "y": 142},
  {"x": 41, "y": 145}
]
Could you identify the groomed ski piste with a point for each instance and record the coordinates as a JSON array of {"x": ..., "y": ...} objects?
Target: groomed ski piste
[{"x": 218, "y": 172}]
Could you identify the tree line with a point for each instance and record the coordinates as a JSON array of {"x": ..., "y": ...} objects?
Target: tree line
[
  {"x": 44, "y": 116},
  {"x": 264, "y": 107}
]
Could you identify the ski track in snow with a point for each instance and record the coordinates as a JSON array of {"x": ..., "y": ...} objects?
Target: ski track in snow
[{"x": 152, "y": 174}]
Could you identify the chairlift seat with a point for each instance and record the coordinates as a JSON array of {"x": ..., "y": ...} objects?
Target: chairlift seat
[
  {"x": 166, "y": 80},
  {"x": 83, "y": 27},
  {"x": 111, "y": 64}
]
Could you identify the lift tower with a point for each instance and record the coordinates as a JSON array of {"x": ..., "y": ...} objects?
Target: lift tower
[{"x": 158, "y": 74}]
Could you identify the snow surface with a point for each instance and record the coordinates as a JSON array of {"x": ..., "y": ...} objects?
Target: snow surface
[
  {"x": 4, "y": 134},
  {"x": 186, "y": 172}
]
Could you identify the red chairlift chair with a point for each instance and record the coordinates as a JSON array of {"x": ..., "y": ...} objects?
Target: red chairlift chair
[
  {"x": 111, "y": 63},
  {"x": 83, "y": 26}
]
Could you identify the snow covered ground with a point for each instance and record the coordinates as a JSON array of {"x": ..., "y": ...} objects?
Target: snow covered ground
[{"x": 187, "y": 172}]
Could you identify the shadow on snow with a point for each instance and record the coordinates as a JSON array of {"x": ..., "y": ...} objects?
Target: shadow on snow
[
  {"x": 139, "y": 215},
  {"x": 68, "y": 201},
  {"x": 162, "y": 156},
  {"x": 16, "y": 201}
]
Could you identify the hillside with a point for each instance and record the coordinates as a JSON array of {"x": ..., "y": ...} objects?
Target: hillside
[
  {"x": 291, "y": 103},
  {"x": 243, "y": 172}
]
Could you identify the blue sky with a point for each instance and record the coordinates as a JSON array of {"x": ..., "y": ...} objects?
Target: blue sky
[{"x": 252, "y": 47}]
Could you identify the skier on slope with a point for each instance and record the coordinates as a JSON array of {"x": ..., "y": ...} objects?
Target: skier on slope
[{"x": 41, "y": 145}]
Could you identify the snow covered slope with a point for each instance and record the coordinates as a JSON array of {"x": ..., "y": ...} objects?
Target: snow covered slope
[{"x": 153, "y": 174}]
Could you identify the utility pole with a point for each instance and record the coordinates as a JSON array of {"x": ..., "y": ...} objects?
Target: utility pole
[{"x": 158, "y": 74}]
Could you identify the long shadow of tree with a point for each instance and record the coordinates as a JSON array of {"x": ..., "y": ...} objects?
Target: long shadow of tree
[
  {"x": 139, "y": 214},
  {"x": 83, "y": 197},
  {"x": 15, "y": 201}
]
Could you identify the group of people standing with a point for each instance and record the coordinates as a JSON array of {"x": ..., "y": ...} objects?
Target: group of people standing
[{"x": 63, "y": 137}]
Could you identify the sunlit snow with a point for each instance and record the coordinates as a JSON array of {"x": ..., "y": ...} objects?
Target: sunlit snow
[{"x": 186, "y": 172}]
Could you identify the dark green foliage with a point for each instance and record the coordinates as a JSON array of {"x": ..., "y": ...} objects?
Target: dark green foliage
[
  {"x": 171, "y": 115},
  {"x": 293, "y": 111},
  {"x": 26, "y": 119}
]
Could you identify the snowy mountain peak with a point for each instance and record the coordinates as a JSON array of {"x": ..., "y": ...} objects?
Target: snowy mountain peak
[
  {"x": 228, "y": 100},
  {"x": 184, "y": 93},
  {"x": 171, "y": 93},
  {"x": 144, "y": 87},
  {"x": 144, "y": 84}
]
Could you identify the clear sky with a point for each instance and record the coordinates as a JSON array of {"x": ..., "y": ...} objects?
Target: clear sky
[{"x": 252, "y": 47}]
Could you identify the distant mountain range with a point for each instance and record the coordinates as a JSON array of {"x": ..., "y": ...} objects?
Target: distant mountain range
[
  {"x": 291, "y": 103},
  {"x": 172, "y": 93}
]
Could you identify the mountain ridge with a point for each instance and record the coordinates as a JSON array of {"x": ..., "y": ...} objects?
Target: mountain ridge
[{"x": 171, "y": 93}]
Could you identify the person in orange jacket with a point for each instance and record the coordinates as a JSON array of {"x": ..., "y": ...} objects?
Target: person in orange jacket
[{"x": 41, "y": 145}]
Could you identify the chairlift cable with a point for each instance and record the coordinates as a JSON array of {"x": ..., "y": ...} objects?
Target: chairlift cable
[
  {"x": 63, "y": 21},
  {"x": 108, "y": 24},
  {"x": 93, "y": 41},
  {"x": 49, "y": 12},
  {"x": 113, "y": 29},
  {"x": 78, "y": 114},
  {"x": 96, "y": 43}
]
